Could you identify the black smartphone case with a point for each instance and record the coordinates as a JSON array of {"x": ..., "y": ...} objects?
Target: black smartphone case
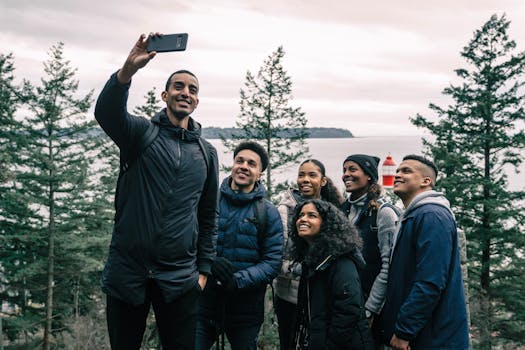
[{"x": 168, "y": 42}]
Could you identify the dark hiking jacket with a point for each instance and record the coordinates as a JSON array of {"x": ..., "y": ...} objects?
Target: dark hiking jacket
[
  {"x": 331, "y": 312},
  {"x": 425, "y": 301},
  {"x": 377, "y": 227},
  {"x": 165, "y": 203},
  {"x": 331, "y": 300}
]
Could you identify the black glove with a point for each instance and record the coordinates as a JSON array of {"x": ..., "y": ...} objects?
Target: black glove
[{"x": 223, "y": 271}]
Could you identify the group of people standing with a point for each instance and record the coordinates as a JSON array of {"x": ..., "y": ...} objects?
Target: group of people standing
[{"x": 347, "y": 274}]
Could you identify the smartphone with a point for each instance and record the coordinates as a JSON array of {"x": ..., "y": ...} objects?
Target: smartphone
[{"x": 168, "y": 42}]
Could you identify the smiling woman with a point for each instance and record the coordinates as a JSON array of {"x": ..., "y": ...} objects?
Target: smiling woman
[
  {"x": 330, "y": 310},
  {"x": 308, "y": 223}
]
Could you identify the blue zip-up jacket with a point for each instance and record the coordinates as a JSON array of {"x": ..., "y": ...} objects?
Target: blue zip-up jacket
[
  {"x": 425, "y": 302},
  {"x": 165, "y": 204},
  {"x": 256, "y": 266}
]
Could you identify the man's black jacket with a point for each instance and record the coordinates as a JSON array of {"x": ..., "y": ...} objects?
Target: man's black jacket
[{"x": 166, "y": 203}]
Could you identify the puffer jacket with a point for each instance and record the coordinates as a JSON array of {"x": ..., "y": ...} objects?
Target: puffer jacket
[
  {"x": 166, "y": 204},
  {"x": 425, "y": 301},
  {"x": 286, "y": 284},
  {"x": 255, "y": 265},
  {"x": 331, "y": 313}
]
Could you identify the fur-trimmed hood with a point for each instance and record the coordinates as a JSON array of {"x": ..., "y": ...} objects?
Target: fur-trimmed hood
[{"x": 329, "y": 247}]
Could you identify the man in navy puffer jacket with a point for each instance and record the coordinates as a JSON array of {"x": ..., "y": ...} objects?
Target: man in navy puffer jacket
[
  {"x": 233, "y": 300},
  {"x": 425, "y": 303}
]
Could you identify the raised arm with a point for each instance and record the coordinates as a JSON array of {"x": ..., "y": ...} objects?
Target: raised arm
[
  {"x": 138, "y": 57},
  {"x": 111, "y": 110}
]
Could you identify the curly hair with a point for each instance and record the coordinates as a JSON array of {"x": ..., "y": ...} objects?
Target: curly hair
[
  {"x": 329, "y": 192},
  {"x": 337, "y": 236}
]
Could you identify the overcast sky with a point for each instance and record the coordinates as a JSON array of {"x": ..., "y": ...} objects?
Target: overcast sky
[{"x": 366, "y": 66}]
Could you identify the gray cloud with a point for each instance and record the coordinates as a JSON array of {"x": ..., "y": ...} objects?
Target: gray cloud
[{"x": 368, "y": 66}]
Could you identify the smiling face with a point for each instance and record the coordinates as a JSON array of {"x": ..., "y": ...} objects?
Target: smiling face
[
  {"x": 308, "y": 223},
  {"x": 411, "y": 179},
  {"x": 355, "y": 179},
  {"x": 181, "y": 97},
  {"x": 310, "y": 180},
  {"x": 246, "y": 170}
]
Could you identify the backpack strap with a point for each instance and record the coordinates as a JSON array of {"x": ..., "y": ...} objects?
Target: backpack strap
[
  {"x": 205, "y": 152},
  {"x": 382, "y": 203},
  {"x": 261, "y": 221},
  {"x": 145, "y": 140}
]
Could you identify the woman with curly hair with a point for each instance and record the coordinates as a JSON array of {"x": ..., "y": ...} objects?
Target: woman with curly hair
[
  {"x": 312, "y": 182},
  {"x": 330, "y": 310},
  {"x": 376, "y": 220}
]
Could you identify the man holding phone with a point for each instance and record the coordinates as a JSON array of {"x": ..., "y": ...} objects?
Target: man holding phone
[{"x": 163, "y": 241}]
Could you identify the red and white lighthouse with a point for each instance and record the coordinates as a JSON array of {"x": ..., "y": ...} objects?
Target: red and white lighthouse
[{"x": 388, "y": 171}]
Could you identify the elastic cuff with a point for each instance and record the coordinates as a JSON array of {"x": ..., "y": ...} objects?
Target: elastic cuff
[
  {"x": 205, "y": 268},
  {"x": 118, "y": 83}
]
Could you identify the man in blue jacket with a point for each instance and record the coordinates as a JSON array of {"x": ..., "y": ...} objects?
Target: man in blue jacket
[
  {"x": 247, "y": 260},
  {"x": 162, "y": 246},
  {"x": 425, "y": 303}
]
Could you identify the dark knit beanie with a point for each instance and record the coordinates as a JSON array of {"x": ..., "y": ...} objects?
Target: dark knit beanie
[{"x": 367, "y": 163}]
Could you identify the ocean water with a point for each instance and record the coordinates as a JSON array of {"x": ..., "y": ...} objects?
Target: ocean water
[{"x": 332, "y": 153}]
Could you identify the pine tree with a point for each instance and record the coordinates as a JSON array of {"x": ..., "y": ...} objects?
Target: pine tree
[
  {"x": 266, "y": 116},
  {"x": 151, "y": 106},
  {"x": 59, "y": 246},
  {"x": 8, "y": 106},
  {"x": 477, "y": 139},
  {"x": 15, "y": 214}
]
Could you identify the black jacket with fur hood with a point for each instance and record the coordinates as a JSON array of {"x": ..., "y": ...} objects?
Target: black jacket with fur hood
[{"x": 331, "y": 310}]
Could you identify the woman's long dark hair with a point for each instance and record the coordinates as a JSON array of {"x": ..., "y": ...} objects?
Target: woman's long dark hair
[
  {"x": 336, "y": 234},
  {"x": 329, "y": 191}
]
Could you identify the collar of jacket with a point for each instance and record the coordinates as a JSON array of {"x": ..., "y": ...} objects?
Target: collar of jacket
[
  {"x": 355, "y": 255},
  {"x": 192, "y": 133},
  {"x": 239, "y": 198},
  {"x": 427, "y": 197}
]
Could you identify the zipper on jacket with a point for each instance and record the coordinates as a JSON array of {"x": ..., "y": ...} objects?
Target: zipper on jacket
[
  {"x": 178, "y": 155},
  {"x": 322, "y": 262},
  {"x": 308, "y": 304}
]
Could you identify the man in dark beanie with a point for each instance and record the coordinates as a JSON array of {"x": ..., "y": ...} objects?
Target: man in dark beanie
[{"x": 376, "y": 220}]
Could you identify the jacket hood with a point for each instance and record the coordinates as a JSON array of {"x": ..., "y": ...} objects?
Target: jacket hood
[
  {"x": 338, "y": 238},
  {"x": 238, "y": 198},
  {"x": 291, "y": 198},
  {"x": 427, "y": 197},
  {"x": 191, "y": 134}
]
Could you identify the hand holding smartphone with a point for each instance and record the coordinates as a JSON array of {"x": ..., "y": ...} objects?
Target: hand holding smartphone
[{"x": 168, "y": 42}]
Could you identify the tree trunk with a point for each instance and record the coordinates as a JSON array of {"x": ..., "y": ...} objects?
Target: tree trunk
[
  {"x": 50, "y": 258},
  {"x": 75, "y": 299},
  {"x": 486, "y": 309}
]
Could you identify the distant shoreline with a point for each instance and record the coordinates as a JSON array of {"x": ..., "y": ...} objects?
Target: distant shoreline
[{"x": 213, "y": 132}]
